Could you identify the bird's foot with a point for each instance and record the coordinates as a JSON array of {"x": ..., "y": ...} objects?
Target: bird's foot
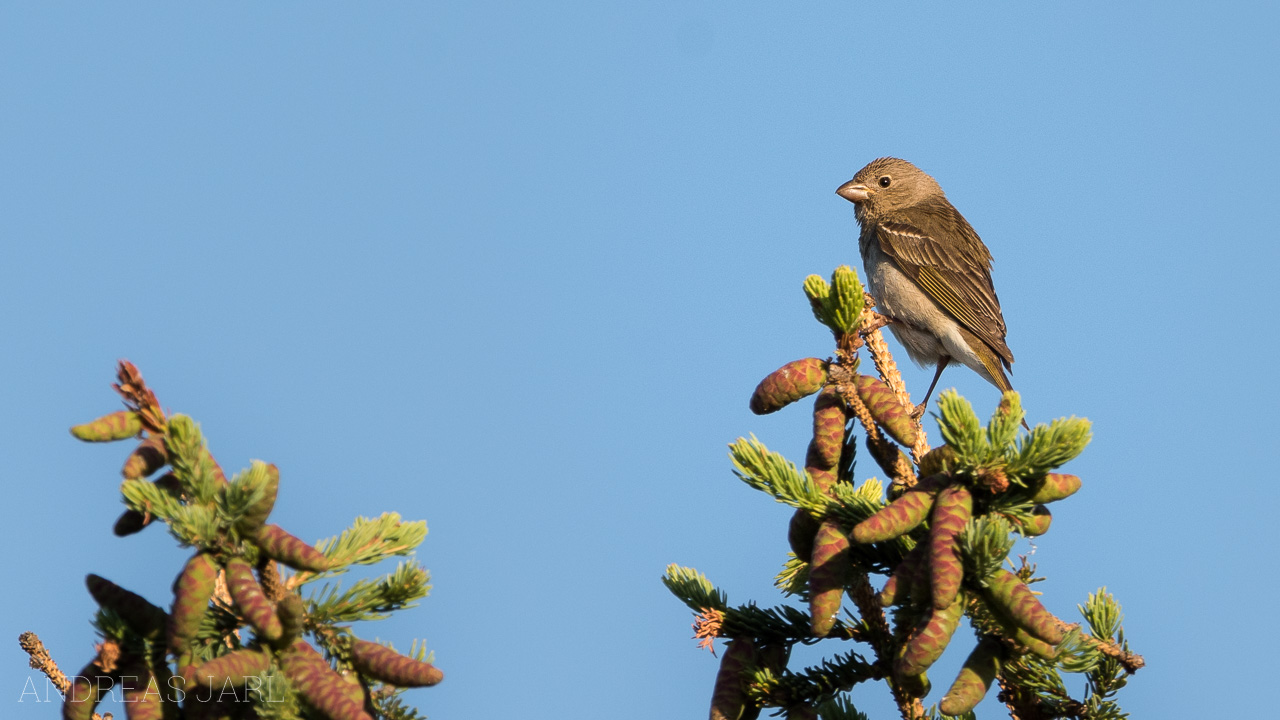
[
  {"x": 873, "y": 321},
  {"x": 918, "y": 411}
]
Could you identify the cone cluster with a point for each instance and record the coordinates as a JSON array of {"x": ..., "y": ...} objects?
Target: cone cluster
[
  {"x": 238, "y": 556},
  {"x": 935, "y": 577},
  {"x": 730, "y": 699},
  {"x": 942, "y": 535}
]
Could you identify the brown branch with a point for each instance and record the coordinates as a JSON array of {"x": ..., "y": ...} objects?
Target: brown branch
[
  {"x": 1131, "y": 662},
  {"x": 878, "y": 349},
  {"x": 880, "y": 638},
  {"x": 108, "y": 656},
  {"x": 42, "y": 661},
  {"x": 885, "y": 365},
  {"x": 885, "y": 450},
  {"x": 869, "y": 328},
  {"x": 222, "y": 599},
  {"x": 1023, "y": 704}
]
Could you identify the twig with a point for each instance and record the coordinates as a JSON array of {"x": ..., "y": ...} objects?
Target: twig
[
  {"x": 885, "y": 451},
  {"x": 1131, "y": 662},
  {"x": 888, "y": 369},
  {"x": 869, "y": 328},
  {"x": 1023, "y": 704},
  {"x": 881, "y": 641},
  {"x": 222, "y": 599},
  {"x": 41, "y": 660},
  {"x": 108, "y": 655}
]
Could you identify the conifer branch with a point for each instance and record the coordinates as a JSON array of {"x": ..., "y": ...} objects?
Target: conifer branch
[
  {"x": 882, "y": 449},
  {"x": 42, "y": 661},
  {"x": 231, "y": 584},
  {"x": 869, "y": 330},
  {"x": 812, "y": 686},
  {"x": 943, "y": 535}
]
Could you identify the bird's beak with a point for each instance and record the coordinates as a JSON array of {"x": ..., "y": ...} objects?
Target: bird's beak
[{"x": 853, "y": 192}]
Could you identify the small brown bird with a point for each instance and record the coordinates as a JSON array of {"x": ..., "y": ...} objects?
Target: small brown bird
[{"x": 928, "y": 271}]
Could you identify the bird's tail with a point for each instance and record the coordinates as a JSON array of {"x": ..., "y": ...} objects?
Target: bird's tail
[
  {"x": 992, "y": 364},
  {"x": 995, "y": 369}
]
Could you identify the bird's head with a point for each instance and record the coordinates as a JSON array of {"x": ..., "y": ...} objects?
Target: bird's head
[{"x": 888, "y": 184}]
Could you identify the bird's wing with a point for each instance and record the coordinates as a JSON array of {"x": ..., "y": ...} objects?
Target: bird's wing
[{"x": 958, "y": 280}]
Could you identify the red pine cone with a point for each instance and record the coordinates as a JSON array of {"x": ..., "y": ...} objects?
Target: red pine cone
[
  {"x": 788, "y": 384},
  {"x": 383, "y": 663}
]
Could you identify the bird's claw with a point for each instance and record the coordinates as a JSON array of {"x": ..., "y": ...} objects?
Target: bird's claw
[{"x": 873, "y": 321}]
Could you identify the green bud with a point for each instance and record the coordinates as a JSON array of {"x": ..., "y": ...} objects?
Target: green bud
[{"x": 844, "y": 304}]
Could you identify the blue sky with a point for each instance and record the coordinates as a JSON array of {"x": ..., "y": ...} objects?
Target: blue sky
[{"x": 515, "y": 269}]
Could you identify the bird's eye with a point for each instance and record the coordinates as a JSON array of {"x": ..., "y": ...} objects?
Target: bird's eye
[{"x": 884, "y": 181}]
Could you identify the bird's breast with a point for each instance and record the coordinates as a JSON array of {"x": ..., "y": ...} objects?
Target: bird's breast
[{"x": 918, "y": 322}]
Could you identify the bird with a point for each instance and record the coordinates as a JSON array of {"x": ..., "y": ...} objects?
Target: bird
[{"x": 929, "y": 272}]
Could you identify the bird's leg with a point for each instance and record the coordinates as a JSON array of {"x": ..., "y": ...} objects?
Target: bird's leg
[{"x": 943, "y": 362}]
